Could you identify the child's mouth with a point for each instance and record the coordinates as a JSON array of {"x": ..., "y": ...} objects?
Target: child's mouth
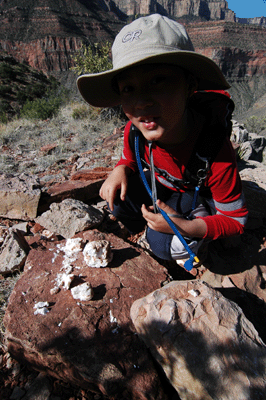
[{"x": 149, "y": 123}]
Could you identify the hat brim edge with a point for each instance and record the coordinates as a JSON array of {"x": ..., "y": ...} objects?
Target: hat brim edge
[{"x": 97, "y": 89}]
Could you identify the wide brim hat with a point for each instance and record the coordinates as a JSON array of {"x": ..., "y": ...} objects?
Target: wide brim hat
[{"x": 153, "y": 39}]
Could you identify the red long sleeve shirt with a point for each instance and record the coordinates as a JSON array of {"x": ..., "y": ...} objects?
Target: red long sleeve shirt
[{"x": 223, "y": 181}]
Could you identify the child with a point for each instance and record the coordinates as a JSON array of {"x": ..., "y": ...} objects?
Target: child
[{"x": 159, "y": 78}]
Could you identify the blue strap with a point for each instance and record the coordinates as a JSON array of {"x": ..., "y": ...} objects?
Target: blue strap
[
  {"x": 195, "y": 197},
  {"x": 189, "y": 263}
]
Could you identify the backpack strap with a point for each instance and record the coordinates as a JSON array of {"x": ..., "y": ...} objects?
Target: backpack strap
[
  {"x": 217, "y": 109},
  {"x": 141, "y": 141}
]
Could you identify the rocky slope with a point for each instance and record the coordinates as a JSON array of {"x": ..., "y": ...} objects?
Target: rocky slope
[
  {"x": 255, "y": 21},
  {"x": 47, "y": 34},
  {"x": 88, "y": 349},
  {"x": 208, "y": 9},
  {"x": 239, "y": 50}
]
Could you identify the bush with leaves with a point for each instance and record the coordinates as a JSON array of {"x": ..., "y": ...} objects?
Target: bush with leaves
[
  {"x": 3, "y": 118},
  {"x": 5, "y": 89},
  {"x": 41, "y": 108},
  {"x": 93, "y": 58},
  {"x": 81, "y": 112},
  {"x": 4, "y": 108},
  {"x": 46, "y": 107},
  {"x": 36, "y": 90},
  {"x": 7, "y": 72},
  {"x": 255, "y": 124}
]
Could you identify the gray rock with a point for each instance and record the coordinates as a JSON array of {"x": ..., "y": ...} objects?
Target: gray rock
[
  {"x": 206, "y": 346},
  {"x": 253, "y": 176},
  {"x": 19, "y": 196},
  {"x": 239, "y": 133},
  {"x": 70, "y": 217},
  {"x": 40, "y": 389},
  {"x": 253, "y": 148},
  {"x": 17, "y": 393},
  {"x": 13, "y": 252},
  {"x": 22, "y": 227}
]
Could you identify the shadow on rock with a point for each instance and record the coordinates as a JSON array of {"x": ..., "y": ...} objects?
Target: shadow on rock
[
  {"x": 252, "y": 306},
  {"x": 116, "y": 362},
  {"x": 227, "y": 257}
]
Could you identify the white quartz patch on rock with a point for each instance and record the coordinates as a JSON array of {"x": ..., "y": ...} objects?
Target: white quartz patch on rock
[
  {"x": 64, "y": 280},
  {"x": 41, "y": 308},
  {"x": 83, "y": 292},
  {"x": 71, "y": 247},
  {"x": 97, "y": 253}
]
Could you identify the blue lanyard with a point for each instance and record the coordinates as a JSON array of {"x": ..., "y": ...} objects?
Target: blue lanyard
[{"x": 189, "y": 263}]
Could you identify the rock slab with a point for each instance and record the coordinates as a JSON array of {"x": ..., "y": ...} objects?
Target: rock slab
[
  {"x": 207, "y": 347},
  {"x": 91, "y": 344},
  {"x": 19, "y": 196},
  {"x": 70, "y": 217},
  {"x": 13, "y": 252}
]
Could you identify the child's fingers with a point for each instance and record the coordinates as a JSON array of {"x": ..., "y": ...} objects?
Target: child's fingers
[
  {"x": 108, "y": 195},
  {"x": 166, "y": 208},
  {"x": 147, "y": 213},
  {"x": 111, "y": 204},
  {"x": 123, "y": 191}
]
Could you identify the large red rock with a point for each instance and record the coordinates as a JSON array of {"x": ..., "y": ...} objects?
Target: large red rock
[
  {"x": 207, "y": 347},
  {"x": 93, "y": 343}
]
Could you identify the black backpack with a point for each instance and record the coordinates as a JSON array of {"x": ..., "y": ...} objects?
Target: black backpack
[{"x": 217, "y": 109}]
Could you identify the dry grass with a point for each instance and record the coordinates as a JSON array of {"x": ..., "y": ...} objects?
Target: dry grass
[{"x": 21, "y": 140}]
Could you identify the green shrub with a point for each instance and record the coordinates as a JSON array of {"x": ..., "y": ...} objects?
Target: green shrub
[
  {"x": 81, "y": 112},
  {"x": 93, "y": 58},
  {"x": 7, "y": 71},
  {"x": 21, "y": 96},
  {"x": 35, "y": 90},
  {"x": 255, "y": 124},
  {"x": 41, "y": 108},
  {"x": 22, "y": 68},
  {"x": 3, "y": 118},
  {"x": 5, "y": 89},
  {"x": 53, "y": 83},
  {"x": 4, "y": 106}
]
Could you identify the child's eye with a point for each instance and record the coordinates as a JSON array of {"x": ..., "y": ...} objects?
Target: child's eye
[
  {"x": 126, "y": 89},
  {"x": 156, "y": 80}
]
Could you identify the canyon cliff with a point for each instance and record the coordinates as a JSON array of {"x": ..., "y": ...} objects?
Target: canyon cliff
[
  {"x": 46, "y": 34},
  {"x": 256, "y": 21},
  {"x": 206, "y": 9},
  {"x": 240, "y": 52}
]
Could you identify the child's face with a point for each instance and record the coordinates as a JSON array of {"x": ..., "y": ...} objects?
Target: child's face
[{"x": 154, "y": 97}]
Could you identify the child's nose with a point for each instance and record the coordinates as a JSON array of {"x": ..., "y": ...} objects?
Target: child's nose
[{"x": 143, "y": 100}]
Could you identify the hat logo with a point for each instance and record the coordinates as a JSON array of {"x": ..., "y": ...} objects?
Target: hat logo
[{"x": 130, "y": 36}]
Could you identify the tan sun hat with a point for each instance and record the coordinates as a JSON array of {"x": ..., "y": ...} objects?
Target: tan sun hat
[{"x": 150, "y": 40}]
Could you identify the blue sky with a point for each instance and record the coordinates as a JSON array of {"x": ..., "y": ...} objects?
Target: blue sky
[{"x": 248, "y": 8}]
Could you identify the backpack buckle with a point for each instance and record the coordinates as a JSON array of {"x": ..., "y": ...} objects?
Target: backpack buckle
[{"x": 203, "y": 172}]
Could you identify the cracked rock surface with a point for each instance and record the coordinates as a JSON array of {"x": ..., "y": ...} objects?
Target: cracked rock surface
[{"x": 92, "y": 343}]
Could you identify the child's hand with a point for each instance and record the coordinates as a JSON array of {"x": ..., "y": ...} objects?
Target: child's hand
[
  {"x": 191, "y": 228},
  {"x": 157, "y": 221},
  {"x": 117, "y": 180}
]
